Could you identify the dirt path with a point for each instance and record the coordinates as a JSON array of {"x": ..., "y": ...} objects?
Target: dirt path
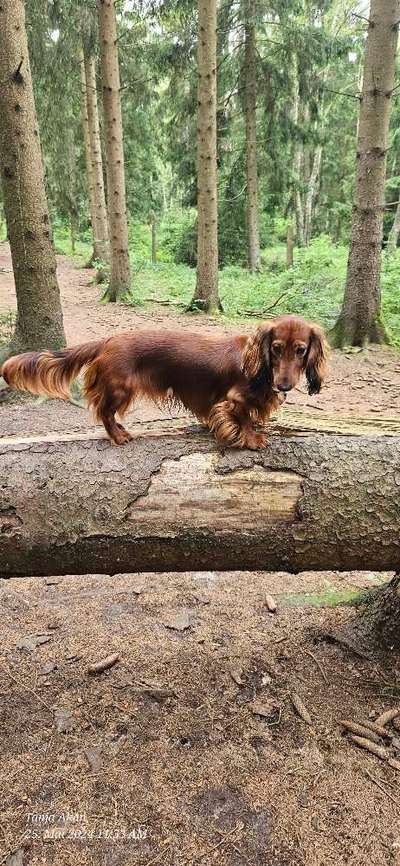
[
  {"x": 192, "y": 737},
  {"x": 364, "y": 383}
]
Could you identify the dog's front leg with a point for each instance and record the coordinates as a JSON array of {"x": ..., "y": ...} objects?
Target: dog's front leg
[{"x": 231, "y": 423}]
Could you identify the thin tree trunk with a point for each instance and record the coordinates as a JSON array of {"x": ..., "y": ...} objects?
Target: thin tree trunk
[
  {"x": 100, "y": 225},
  {"x": 312, "y": 191},
  {"x": 88, "y": 156},
  {"x": 120, "y": 276},
  {"x": 206, "y": 293},
  {"x": 289, "y": 244},
  {"x": 359, "y": 320},
  {"x": 250, "y": 104},
  {"x": 394, "y": 232},
  {"x": 39, "y": 315},
  {"x": 171, "y": 501},
  {"x": 297, "y": 160},
  {"x": 153, "y": 223},
  {"x": 72, "y": 200}
]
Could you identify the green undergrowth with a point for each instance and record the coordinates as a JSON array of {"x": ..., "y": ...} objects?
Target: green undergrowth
[
  {"x": 313, "y": 287},
  {"x": 328, "y": 597}
]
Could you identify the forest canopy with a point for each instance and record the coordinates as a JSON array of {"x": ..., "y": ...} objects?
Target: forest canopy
[{"x": 289, "y": 80}]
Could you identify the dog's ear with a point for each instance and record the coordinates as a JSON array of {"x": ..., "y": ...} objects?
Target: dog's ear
[
  {"x": 316, "y": 359},
  {"x": 256, "y": 355}
]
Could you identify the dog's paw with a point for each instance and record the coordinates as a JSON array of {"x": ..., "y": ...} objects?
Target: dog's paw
[
  {"x": 254, "y": 440},
  {"x": 121, "y": 436}
]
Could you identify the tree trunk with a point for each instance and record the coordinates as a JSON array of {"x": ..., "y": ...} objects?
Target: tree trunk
[
  {"x": 39, "y": 315},
  {"x": 88, "y": 155},
  {"x": 206, "y": 293},
  {"x": 120, "y": 276},
  {"x": 100, "y": 225},
  {"x": 359, "y": 321},
  {"x": 289, "y": 244},
  {"x": 250, "y": 104},
  {"x": 72, "y": 199},
  {"x": 153, "y": 223},
  {"x": 171, "y": 501},
  {"x": 377, "y": 625},
  {"x": 311, "y": 196},
  {"x": 297, "y": 160},
  {"x": 394, "y": 232}
]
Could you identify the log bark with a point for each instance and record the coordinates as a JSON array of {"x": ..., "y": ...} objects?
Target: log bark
[{"x": 170, "y": 500}]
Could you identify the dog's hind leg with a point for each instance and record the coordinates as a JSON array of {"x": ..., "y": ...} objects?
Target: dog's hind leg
[{"x": 106, "y": 399}]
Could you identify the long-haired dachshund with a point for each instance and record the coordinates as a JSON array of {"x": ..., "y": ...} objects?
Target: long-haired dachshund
[{"x": 231, "y": 384}]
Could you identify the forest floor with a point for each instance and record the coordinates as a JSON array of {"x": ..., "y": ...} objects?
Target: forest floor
[{"x": 189, "y": 750}]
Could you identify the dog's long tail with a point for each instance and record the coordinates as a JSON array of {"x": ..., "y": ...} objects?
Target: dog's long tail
[{"x": 49, "y": 372}]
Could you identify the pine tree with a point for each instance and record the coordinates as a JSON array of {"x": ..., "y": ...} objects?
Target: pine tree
[
  {"x": 359, "y": 320},
  {"x": 206, "y": 294},
  {"x": 100, "y": 225},
  {"x": 88, "y": 158},
  {"x": 120, "y": 276},
  {"x": 250, "y": 105},
  {"x": 39, "y": 316}
]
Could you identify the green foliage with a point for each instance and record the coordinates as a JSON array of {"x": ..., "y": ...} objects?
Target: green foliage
[
  {"x": 328, "y": 597},
  {"x": 316, "y": 46},
  {"x": 390, "y": 281},
  {"x": 7, "y": 324},
  {"x": 312, "y": 288},
  {"x": 178, "y": 237}
]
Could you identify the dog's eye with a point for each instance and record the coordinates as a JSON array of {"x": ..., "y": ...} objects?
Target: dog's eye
[
  {"x": 277, "y": 348},
  {"x": 301, "y": 351}
]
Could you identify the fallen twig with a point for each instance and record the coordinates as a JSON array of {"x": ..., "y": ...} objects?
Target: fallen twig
[
  {"x": 343, "y": 641},
  {"x": 218, "y": 845},
  {"x": 157, "y": 857},
  {"x": 376, "y": 782},
  {"x": 264, "y": 310},
  {"x": 319, "y": 666},
  {"x": 165, "y": 303},
  {"x": 30, "y": 691},
  {"x": 103, "y": 664}
]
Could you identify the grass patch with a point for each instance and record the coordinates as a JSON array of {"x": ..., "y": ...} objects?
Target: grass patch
[
  {"x": 312, "y": 288},
  {"x": 329, "y": 597},
  {"x": 7, "y": 324}
]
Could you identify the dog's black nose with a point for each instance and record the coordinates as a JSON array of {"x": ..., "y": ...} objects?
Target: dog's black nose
[{"x": 285, "y": 387}]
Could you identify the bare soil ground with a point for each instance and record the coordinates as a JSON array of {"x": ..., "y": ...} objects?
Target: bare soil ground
[{"x": 189, "y": 750}]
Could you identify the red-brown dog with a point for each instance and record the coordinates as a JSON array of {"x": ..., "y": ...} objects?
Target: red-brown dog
[{"x": 231, "y": 384}]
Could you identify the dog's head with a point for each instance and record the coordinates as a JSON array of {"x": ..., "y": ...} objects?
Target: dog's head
[{"x": 280, "y": 351}]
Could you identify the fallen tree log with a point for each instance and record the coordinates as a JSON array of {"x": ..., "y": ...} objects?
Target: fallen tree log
[{"x": 170, "y": 501}]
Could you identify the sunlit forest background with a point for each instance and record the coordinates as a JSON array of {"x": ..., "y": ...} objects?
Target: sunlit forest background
[{"x": 308, "y": 59}]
